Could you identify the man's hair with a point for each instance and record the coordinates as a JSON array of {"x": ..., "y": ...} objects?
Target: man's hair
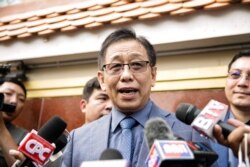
[
  {"x": 15, "y": 81},
  {"x": 89, "y": 87},
  {"x": 126, "y": 34},
  {"x": 243, "y": 53}
]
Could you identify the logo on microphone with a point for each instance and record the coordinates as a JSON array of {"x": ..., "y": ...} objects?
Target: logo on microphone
[
  {"x": 174, "y": 149},
  {"x": 208, "y": 117},
  {"x": 153, "y": 159},
  {"x": 36, "y": 148},
  {"x": 168, "y": 150}
]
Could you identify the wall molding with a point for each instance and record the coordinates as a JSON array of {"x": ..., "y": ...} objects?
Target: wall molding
[{"x": 167, "y": 80}]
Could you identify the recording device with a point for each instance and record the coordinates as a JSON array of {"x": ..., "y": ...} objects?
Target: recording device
[
  {"x": 4, "y": 69},
  {"x": 205, "y": 120},
  {"x": 109, "y": 157},
  {"x": 15, "y": 70},
  {"x": 37, "y": 147},
  {"x": 169, "y": 150},
  {"x": 6, "y": 107}
]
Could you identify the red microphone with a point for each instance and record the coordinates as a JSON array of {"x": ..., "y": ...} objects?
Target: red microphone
[
  {"x": 37, "y": 147},
  {"x": 169, "y": 153}
]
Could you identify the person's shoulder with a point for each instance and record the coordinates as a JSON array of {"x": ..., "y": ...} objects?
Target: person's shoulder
[
  {"x": 92, "y": 126},
  {"x": 156, "y": 109},
  {"x": 16, "y": 132},
  {"x": 12, "y": 127}
]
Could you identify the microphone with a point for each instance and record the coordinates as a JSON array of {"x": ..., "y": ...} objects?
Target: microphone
[
  {"x": 204, "y": 121},
  {"x": 6, "y": 107},
  {"x": 157, "y": 128},
  {"x": 169, "y": 150},
  {"x": 38, "y": 147},
  {"x": 109, "y": 154},
  {"x": 109, "y": 157},
  {"x": 60, "y": 143}
]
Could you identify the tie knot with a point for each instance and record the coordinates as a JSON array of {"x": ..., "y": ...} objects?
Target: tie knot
[{"x": 127, "y": 123}]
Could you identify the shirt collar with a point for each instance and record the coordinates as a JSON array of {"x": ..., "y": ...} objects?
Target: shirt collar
[
  {"x": 232, "y": 116},
  {"x": 140, "y": 116}
]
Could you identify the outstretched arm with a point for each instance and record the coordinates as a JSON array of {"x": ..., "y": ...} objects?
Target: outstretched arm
[{"x": 6, "y": 142}]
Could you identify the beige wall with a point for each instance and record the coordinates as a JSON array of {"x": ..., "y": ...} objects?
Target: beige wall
[
  {"x": 193, "y": 78},
  {"x": 175, "y": 72}
]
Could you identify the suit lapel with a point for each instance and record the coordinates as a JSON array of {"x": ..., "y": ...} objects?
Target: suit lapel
[
  {"x": 155, "y": 112},
  {"x": 100, "y": 136}
]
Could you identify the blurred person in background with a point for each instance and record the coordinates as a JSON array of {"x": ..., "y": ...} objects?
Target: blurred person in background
[
  {"x": 14, "y": 93},
  {"x": 95, "y": 102}
]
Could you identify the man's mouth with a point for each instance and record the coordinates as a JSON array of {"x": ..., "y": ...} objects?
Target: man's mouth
[
  {"x": 128, "y": 90},
  {"x": 243, "y": 93}
]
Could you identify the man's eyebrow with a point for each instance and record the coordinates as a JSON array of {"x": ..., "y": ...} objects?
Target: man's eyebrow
[
  {"x": 20, "y": 94},
  {"x": 103, "y": 94}
]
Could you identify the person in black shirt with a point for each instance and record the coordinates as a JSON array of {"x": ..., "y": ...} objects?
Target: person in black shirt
[{"x": 14, "y": 93}]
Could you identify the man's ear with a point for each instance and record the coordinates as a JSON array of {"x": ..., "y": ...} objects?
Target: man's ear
[
  {"x": 100, "y": 78},
  {"x": 153, "y": 73},
  {"x": 83, "y": 104}
]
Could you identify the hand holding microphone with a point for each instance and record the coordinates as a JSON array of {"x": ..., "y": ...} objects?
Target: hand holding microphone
[
  {"x": 229, "y": 133},
  {"x": 37, "y": 147},
  {"x": 235, "y": 137},
  {"x": 60, "y": 143},
  {"x": 205, "y": 120}
]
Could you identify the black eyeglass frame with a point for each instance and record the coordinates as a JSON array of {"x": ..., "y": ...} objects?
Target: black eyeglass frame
[{"x": 122, "y": 67}]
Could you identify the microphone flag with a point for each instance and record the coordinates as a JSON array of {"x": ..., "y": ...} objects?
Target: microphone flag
[{"x": 170, "y": 150}]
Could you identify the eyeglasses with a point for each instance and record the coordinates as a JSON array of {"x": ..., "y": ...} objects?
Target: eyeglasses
[
  {"x": 117, "y": 68},
  {"x": 235, "y": 75}
]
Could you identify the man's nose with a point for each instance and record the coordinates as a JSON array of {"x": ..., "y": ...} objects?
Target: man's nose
[
  {"x": 126, "y": 73},
  {"x": 13, "y": 100},
  {"x": 108, "y": 107},
  {"x": 244, "y": 80}
]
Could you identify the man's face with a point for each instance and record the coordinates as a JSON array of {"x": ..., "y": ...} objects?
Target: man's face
[
  {"x": 128, "y": 91},
  {"x": 97, "y": 106},
  {"x": 237, "y": 87},
  {"x": 13, "y": 94}
]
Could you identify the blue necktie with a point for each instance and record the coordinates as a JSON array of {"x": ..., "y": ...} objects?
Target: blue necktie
[{"x": 125, "y": 145}]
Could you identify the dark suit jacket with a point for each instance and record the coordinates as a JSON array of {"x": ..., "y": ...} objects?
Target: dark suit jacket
[
  {"x": 89, "y": 141},
  {"x": 221, "y": 150}
]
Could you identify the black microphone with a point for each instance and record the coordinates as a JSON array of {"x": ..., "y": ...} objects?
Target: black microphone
[
  {"x": 109, "y": 157},
  {"x": 157, "y": 128},
  {"x": 187, "y": 113},
  {"x": 110, "y": 153},
  {"x": 49, "y": 132},
  {"x": 169, "y": 150},
  {"x": 6, "y": 107},
  {"x": 60, "y": 143}
]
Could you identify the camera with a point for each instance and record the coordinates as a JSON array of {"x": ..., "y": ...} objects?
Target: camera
[{"x": 6, "y": 107}]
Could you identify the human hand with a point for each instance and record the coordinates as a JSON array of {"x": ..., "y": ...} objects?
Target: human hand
[
  {"x": 235, "y": 138},
  {"x": 17, "y": 155}
]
